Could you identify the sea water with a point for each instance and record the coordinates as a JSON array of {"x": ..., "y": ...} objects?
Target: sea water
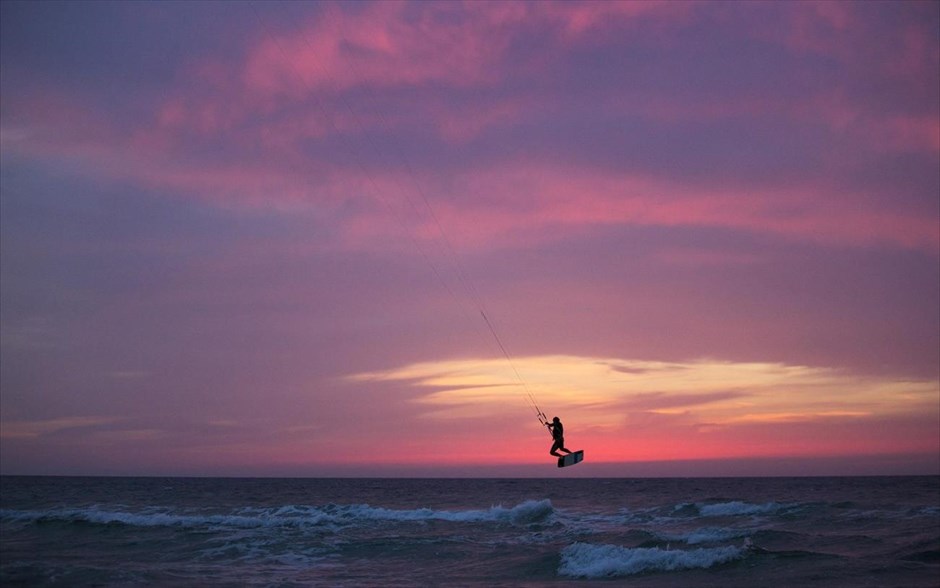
[{"x": 877, "y": 531}]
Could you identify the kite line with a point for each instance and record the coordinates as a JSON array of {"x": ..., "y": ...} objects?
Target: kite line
[{"x": 452, "y": 256}]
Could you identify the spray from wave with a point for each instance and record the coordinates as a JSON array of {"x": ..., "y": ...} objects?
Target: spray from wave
[{"x": 584, "y": 560}]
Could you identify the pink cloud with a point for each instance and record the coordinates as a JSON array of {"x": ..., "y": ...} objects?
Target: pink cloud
[
  {"x": 379, "y": 46},
  {"x": 458, "y": 127},
  {"x": 397, "y": 43},
  {"x": 394, "y": 44},
  {"x": 263, "y": 102},
  {"x": 534, "y": 197},
  {"x": 916, "y": 53},
  {"x": 579, "y": 20},
  {"x": 818, "y": 27},
  {"x": 879, "y": 131},
  {"x": 904, "y": 133},
  {"x": 483, "y": 207}
]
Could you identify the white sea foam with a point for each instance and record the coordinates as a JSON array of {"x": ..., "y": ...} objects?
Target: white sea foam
[
  {"x": 529, "y": 512},
  {"x": 929, "y": 511},
  {"x": 735, "y": 508},
  {"x": 146, "y": 518},
  {"x": 584, "y": 560}
]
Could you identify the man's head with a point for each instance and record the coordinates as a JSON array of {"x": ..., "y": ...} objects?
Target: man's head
[{"x": 556, "y": 419}]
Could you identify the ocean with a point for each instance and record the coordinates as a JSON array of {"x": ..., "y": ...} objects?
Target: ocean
[{"x": 777, "y": 532}]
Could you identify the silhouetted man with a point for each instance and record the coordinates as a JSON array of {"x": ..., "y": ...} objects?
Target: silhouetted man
[{"x": 558, "y": 434}]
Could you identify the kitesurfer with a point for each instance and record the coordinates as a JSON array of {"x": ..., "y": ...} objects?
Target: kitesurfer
[{"x": 558, "y": 434}]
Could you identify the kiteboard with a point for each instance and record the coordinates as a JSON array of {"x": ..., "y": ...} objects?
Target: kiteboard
[{"x": 571, "y": 459}]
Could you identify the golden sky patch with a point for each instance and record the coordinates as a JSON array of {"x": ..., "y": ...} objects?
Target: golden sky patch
[{"x": 600, "y": 391}]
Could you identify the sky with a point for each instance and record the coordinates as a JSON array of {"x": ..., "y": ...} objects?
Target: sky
[{"x": 375, "y": 238}]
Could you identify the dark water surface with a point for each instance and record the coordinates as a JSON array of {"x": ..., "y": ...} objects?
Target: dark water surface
[{"x": 878, "y": 531}]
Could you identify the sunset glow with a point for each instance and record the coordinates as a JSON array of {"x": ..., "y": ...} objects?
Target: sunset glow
[
  {"x": 697, "y": 401},
  {"x": 367, "y": 238}
]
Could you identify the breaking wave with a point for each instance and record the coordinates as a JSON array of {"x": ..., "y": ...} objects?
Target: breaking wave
[
  {"x": 733, "y": 508},
  {"x": 525, "y": 513},
  {"x": 583, "y": 560},
  {"x": 528, "y": 512}
]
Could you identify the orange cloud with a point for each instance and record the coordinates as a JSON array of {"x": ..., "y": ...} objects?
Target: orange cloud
[
  {"x": 647, "y": 410},
  {"x": 717, "y": 392}
]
